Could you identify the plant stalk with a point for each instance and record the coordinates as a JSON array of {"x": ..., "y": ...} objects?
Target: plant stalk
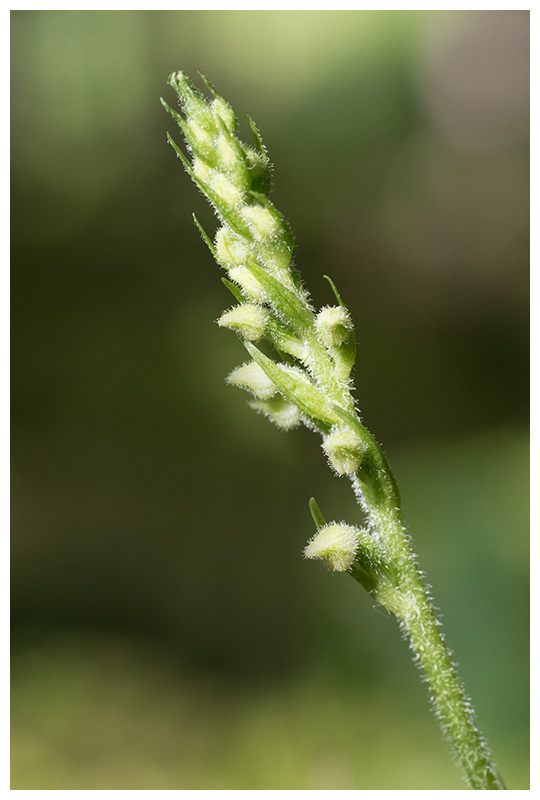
[
  {"x": 310, "y": 384},
  {"x": 402, "y": 592}
]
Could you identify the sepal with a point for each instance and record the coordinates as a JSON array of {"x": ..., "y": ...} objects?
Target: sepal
[
  {"x": 279, "y": 410},
  {"x": 193, "y": 104},
  {"x": 249, "y": 285},
  {"x": 344, "y": 355},
  {"x": 264, "y": 224},
  {"x": 251, "y": 377},
  {"x": 333, "y": 325},
  {"x": 344, "y": 449},
  {"x": 248, "y": 319},
  {"x": 336, "y": 544},
  {"x": 231, "y": 249}
]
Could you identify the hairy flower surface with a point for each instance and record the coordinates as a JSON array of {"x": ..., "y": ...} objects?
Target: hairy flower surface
[
  {"x": 248, "y": 319},
  {"x": 333, "y": 325},
  {"x": 251, "y": 377},
  {"x": 336, "y": 544},
  {"x": 345, "y": 450}
]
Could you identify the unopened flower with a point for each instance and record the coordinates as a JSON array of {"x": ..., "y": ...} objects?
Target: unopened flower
[
  {"x": 227, "y": 190},
  {"x": 336, "y": 544},
  {"x": 231, "y": 250},
  {"x": 262, "y": 222},
  {"x": 248, "y": 319},
  {"x": 333, "y": 325},
  {"x": 224, "y": 112},
  {"x": 344, "y": 449},
  {"x": 280, "y": 411},
  {"x": 248, "y": 283},
  {"x": 251, "y": 377}
]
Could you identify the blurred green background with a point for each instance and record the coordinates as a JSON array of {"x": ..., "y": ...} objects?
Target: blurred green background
[{"x": 166, "y": 632}]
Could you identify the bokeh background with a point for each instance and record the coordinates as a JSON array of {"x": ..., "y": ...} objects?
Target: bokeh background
[{"x": 167, "y": 633}]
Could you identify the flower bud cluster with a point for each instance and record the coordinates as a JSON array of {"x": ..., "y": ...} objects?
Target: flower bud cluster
[
  {"x": 235, "y": 177},
  {"x": 254, "y": 243},
  {"x": 254, "y": 246}
]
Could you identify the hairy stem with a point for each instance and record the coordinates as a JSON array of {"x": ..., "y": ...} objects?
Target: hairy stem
[{"x": 404, "y": 594}]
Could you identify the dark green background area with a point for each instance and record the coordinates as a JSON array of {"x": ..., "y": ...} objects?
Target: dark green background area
[{"x": 167, "y": 633}]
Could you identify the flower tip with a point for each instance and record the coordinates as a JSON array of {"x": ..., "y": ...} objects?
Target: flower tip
[
  {"x": 333, "y": 325},
  {"x": 284, "y": 414},
  {"x": 248, "y": 319},
  {"x": 177, "y": 79},
  {"x": 335, "y": 544},
  {"x": 254, "y": 379}
]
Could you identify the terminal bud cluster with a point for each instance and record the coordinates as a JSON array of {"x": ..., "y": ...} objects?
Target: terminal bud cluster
[{"x": 309, "y": 379}]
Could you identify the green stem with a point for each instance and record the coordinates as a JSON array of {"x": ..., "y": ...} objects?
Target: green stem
[{"x": 403, "y": 593}]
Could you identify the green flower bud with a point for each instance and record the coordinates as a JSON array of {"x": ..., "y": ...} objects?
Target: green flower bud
[
  {"x": 251, "y": 377},
  {"x": 200, "y": 140},
  {"x": 255, "y": 159},
  {"x": 248, "y": 319},
  {"x": 230, "y": 194},
  {"x": 336, "y": 544},
  {"x": 248, "y": 283},
  {"x": 224, "y": 112},
  {"x": 231, "y": 157},
  {"x": 262, "y": 222},
  {"x": 231, "y": 250},
  {"x": 226, "y": 195},
  {"x": 279, "y": 410},
  {"x": 276, "y": 258},
  {"x": 333, "y": 325},
  {"x": 344, "y": 449},
  {"x": 202, "y": 171},
  {"x": 194, "y": 105},
  {"x": 259, "y": 171}
]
